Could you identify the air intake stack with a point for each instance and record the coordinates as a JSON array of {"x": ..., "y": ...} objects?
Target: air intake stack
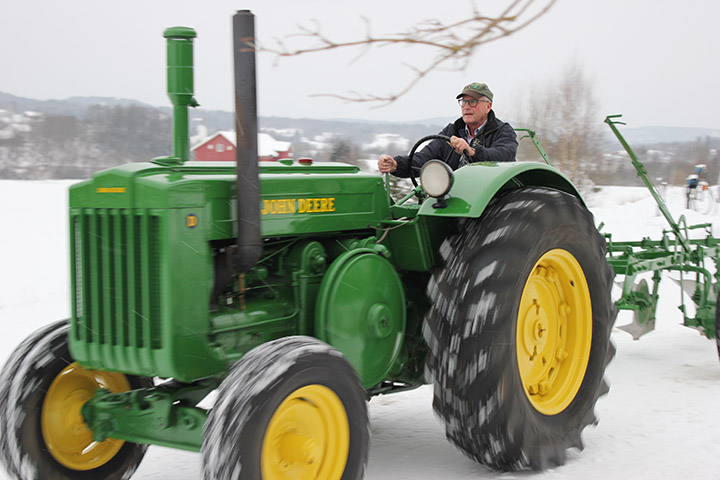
[{"x": 180, "y": 89}]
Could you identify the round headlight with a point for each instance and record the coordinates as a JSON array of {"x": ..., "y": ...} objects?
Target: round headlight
[{"x": 436, "y": 178}]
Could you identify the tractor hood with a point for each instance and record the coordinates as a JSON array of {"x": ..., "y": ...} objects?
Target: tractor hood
[{"x": 296, "y": 198}]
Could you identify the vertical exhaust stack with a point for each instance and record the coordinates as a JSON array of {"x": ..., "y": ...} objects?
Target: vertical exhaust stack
[
  {"x": 249, "y": 243},
  {"x": 180, "y": 89}
]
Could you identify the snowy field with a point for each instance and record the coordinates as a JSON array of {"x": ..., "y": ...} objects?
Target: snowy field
[{"x": 660, "y": 420}]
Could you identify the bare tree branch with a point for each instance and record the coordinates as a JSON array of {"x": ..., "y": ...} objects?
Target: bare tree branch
[{"x": 452, "y": 43}]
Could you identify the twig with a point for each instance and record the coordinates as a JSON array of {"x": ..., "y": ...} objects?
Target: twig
[{"x": 445, "y": 39}]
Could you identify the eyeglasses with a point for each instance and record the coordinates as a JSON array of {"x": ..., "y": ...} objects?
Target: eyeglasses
[{"x": 470, "y": 101}]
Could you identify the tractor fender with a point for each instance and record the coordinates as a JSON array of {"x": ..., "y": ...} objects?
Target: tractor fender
[{"x": 478, "y": 183}]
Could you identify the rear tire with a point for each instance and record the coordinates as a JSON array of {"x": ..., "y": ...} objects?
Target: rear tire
[
  {"x": 290, "y": 408},
  {"x": 519, "y": 330},
  {"x": 38, "y": 439}
]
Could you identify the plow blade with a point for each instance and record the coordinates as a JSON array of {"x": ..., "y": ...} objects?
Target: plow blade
[
  {"x": 644, "y": 317},
  {"x": 688, "y": 285},
  {"x": 690, "y": 288}
]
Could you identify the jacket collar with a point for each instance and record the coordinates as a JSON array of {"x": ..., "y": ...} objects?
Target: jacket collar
[{"x": 491, "y": 125}]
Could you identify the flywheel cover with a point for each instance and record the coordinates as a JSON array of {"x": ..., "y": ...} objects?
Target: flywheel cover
[{"x": 361, "y": 312}]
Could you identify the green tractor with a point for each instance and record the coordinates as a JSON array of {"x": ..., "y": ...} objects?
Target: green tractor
[{"x": 249, "y": 312}]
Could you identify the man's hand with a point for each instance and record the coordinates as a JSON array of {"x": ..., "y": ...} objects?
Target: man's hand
[
  {"x": 460, "y": 145},
  {"x": 387, "y": 164}
]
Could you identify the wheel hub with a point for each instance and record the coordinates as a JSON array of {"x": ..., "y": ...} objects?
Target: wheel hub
[
  {"x": 554, "y": 332},
  {"x": 295, "y": 448},
  {"x": 308, "y": 437},
  {"x": 72, "y": 406},
  {"x": 535, "y": 334},
  {"x": 66, "y": 435}
]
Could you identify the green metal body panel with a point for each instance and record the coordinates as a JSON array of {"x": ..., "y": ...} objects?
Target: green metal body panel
[
  {"x": 415, "y": 232},
  {"x": 414, "y": 239},
  {"x": 145, "y": 237},
  {"x": 363, "y": 290},
  {"x": 142, "y": 259},
  {"x": 476, "y": 184},
  {"x": 304, "y": 199},
  {"x": 141, "y": 275}
]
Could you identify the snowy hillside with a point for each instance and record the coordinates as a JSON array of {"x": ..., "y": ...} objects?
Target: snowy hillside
[{"x": 659, "y": 421}]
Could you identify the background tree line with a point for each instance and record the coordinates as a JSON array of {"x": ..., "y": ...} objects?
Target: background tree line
[
  {"x": 562, "y": 112},
  {"x": 65, "y": 146}
]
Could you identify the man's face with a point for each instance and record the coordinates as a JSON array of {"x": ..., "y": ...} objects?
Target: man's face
[{"x": 476, "y": 115}]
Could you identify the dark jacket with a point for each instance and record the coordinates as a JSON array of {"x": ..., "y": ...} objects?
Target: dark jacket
[{"x": 496, "y": 142}]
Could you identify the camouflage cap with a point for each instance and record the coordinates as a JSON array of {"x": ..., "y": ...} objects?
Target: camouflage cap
[{"x": 476, "y": 90}]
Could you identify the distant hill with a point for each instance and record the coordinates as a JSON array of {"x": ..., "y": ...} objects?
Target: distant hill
[
  {"x": 73, "y": 106},
  {"x": 215, "y": 120},
  {"x": 74, "y": 137}
]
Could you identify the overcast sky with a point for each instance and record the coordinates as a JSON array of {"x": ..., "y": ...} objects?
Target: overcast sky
[{"x": 655, "y": 61}]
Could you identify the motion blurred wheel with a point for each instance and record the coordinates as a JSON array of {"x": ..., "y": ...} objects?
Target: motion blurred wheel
[
  {"x": 42, "y": 433},
  {"x": 519, "y": 330},
  {"x": 293, "y": 408},
  {"x": 701, "y": 199}
]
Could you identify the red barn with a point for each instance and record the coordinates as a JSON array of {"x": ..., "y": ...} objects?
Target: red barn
[{"x": 221, "y": 147}]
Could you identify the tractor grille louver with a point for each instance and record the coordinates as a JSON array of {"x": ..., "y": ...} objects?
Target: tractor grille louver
[{"x": 117, "y": 297}]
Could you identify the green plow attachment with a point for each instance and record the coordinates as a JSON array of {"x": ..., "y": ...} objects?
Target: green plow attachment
[{"x": 674, "y": 251}]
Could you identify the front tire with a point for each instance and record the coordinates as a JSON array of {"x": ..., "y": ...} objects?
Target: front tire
[
  {"x": 42, "y": 433},
  {"x": 293, "y": 408},
  {"x": 519, "y": 330}
]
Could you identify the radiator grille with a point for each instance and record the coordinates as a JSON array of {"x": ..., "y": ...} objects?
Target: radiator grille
[{"x": 117, "y": 267}]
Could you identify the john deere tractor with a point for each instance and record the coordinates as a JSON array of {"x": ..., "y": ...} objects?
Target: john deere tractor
[{"x": 249, "y": 312}]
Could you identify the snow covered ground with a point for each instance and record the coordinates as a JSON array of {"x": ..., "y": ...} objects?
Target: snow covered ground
[{"x": 659, "y": 421}]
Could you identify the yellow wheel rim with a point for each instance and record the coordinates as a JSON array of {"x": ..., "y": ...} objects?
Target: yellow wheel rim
[
  {"x": 554, "y": 332},
  {"x": 66, "y": 435},
  {"x": 308, "y": 437}
]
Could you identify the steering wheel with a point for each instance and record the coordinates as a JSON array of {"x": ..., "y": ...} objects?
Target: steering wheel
[{"x": 417, "y": 145}]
